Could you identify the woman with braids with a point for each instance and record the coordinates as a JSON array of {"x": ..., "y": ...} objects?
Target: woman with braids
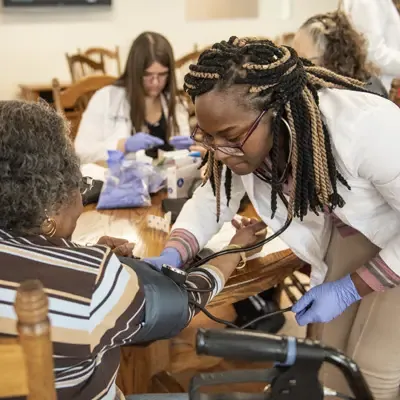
[
  {"x": 329, "y": 40},
  {"x": 317, "y": 155}
]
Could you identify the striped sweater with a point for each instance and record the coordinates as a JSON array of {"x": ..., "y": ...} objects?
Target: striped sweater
[{"x": 96, "y": 305}]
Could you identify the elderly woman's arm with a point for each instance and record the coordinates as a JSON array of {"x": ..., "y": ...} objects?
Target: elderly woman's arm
[
  {"x": 119, "y": 310},
  {"x": 118, "y": 305}
]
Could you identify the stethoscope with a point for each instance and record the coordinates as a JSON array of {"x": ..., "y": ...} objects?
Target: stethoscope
[{"x": 179, "y": 276}]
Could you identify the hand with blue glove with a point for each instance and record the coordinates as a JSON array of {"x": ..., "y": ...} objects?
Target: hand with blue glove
[
  {"x": 325, "y": 302},
  {"x": 181, "y": 142},
  {"x": 169, "y": 256},
  {"x": 141, "y": 141}
]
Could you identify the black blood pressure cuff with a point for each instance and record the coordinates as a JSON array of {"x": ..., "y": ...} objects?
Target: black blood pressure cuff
[{"x": 166, "y": 303}]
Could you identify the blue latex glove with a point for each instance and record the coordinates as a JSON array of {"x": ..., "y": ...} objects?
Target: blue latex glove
[
  {"x": 325, "y": 302},
  {"x": 142, "y": 141},
  {"x": 181, "y": 142},
  {"x": 169, "y": 256}
]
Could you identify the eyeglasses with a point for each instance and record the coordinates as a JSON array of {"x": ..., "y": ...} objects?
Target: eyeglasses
[
  {"x": 231, "y": 149},
  {"x": 149, "y": 77}
]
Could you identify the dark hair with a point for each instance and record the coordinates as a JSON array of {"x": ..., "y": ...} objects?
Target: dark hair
[
  {"x": 39, "y": 170},
  {"x": 277, "y": 79},
  {"x": 147, "y": 48},
  {"x": 341, "y": 48}
]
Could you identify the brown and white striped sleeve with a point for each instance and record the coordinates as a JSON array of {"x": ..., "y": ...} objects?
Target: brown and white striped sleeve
[{"x": 117, "y": 307}]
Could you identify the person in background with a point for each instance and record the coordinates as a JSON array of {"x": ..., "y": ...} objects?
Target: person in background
[
  {"x": 379, "y": 22},
  {"x": 141, "y": 110},
  {"x": 318, "y": 157},
  {"x": 329, "y": 40},
  {"x": 97, "y": 301}
]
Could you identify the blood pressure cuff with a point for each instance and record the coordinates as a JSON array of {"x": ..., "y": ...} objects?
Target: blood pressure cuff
[{"x": 166, "y": 303}]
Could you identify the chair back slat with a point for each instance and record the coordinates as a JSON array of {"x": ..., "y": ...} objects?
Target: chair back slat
[{"x": 26, "y": 363}]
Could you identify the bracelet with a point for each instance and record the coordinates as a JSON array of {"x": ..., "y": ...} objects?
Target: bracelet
[{"x": 243, "y": 260}]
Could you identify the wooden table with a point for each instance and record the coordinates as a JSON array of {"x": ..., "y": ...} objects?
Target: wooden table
[
  {"x": 140, "y": 364},
  {"x": 33, "y": 92}
]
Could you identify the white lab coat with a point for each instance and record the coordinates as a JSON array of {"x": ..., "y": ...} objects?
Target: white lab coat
[
  {"x": 379, "y": 22},
  {"x": 106, "y": 120},
  {"x": 366, "y": 146}
]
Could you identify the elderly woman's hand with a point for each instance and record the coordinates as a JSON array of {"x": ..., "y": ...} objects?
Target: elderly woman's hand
[
  {"x": 249, "y": 231},
  {"x": 120, "y": 247}
]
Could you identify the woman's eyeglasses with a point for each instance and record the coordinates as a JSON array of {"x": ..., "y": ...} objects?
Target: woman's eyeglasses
[
  {"x": 160, "y": 77},
  {"x": 231, "y": 149}
]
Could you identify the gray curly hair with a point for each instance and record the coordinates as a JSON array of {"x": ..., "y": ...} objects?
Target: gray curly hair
[{"x": 39, "y": 169}]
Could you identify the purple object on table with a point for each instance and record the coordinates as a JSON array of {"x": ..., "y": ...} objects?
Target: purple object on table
[{"x": 127, "y": 183}]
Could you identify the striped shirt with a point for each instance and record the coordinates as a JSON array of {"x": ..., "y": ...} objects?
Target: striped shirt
[{"x": 96, "y": 305}]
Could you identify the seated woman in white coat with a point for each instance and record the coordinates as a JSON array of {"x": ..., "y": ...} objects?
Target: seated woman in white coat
[
  {"x": 379, "y": 22},
  {"x": 319, "y": 159},
  {"x": 141, "y": 110},
  {"x": 329, "y": 40}
]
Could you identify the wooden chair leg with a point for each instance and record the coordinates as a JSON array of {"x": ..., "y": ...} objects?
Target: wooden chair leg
[
  {"x": 294, "y": 282},
  {"x": 164, "y": 382}
]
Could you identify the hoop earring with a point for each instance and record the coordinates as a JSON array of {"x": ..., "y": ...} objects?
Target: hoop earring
[
  {"x": 274, "y": 114},
  {"x": 290, "y": 138},
  {"x": 49, "y": 226}
]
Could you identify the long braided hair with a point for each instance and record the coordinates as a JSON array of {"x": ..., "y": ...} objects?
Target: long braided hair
[{"x": 279, "y": 80}]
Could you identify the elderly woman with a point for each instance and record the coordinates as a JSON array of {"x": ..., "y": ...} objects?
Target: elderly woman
[
  {"x": 97, "y": 303},
  {"x": 330, "y": 41}
]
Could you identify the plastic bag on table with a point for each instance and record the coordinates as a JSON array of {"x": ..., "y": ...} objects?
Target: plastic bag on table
[
  {"x": 126, "y": 184},
  {"x": 157, "y": 180}
]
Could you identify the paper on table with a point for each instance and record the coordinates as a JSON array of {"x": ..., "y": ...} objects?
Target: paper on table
[
  {"x": 160, "y": 223},
  {"x": 224, "y": 236},
  {"x": 91, "y": 225},
  {"x": 93, "y": 171}
]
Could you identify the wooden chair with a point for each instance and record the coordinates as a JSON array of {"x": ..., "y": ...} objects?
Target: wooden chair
[
  {"x": 80, "y": 66},
  {"x": 72, "y": 101},
  {"x": 103, "y": 55},
  {"x": 26, "y": 363},
  {"x": 182, "y": 68}
]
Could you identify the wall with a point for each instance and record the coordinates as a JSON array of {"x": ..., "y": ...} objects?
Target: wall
[{"x": 33, "y": 43}]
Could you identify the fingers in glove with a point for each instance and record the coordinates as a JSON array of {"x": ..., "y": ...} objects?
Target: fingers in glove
[
  {"x": 304, "y": 308},
  {"x": 151, "y": 141},
  {"x": 181, "y": 139},
  {"x": 306, "y": 316},
  {"x": 157, "y": 141},
  {"x": 304, "y": 302}
]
